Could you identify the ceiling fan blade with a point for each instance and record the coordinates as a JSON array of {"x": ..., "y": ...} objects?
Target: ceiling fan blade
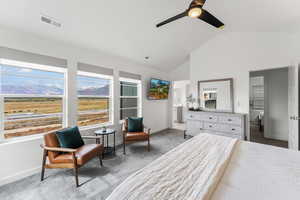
[
  {"x": 172, "y": 19},
  {"x": 210, "y": 19},
  {"x": 197, "y": 3}
]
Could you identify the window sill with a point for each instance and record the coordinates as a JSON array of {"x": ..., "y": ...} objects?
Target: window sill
[
  {"x": 40, "y": 135},
  {"x": 22, "y": 139}
]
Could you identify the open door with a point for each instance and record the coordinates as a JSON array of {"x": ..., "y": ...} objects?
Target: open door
[{"x": 293, "y": 107}]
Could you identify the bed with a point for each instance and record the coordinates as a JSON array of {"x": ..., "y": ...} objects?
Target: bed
[{"x": 217, "y": 168}]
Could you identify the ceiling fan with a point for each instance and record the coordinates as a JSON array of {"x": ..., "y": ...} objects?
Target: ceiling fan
[{"x": 195, "y": 10}]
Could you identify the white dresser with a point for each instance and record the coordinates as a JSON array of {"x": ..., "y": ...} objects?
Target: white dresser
[{"x": 225, "y": 124}]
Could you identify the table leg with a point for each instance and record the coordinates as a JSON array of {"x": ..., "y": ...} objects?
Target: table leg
[
  {"x": 103, "y": 145},
  {"x": 97, "y": 140},
  {"x": 107, "y": 140},
  {"x": 114, "y": 142}
]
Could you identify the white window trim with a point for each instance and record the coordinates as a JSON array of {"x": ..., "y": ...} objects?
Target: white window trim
[
  {"x": 32, "y": 66},
  {"x": 110, "y": 97},
  {"x": 1, "y": 117},
  {"x": 90, "y": 74},
  {"x": 46, "y": 68},
  {"x": 139, "y": 95}
]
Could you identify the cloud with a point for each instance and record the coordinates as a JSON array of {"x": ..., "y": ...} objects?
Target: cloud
[
  {"x": 25, "y": 70},
  {"x": 57, "y": 85}
]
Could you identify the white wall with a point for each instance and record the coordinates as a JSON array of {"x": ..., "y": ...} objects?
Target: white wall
[
  {"x": 276, "y": 103},
  {"x": 22, "y": 158},
  {"x": 182, "y": 72},
  {"x": 233, "y": 55}
]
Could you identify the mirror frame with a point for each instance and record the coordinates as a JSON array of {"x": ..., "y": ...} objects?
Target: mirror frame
[{"x": 231, "y": 94}]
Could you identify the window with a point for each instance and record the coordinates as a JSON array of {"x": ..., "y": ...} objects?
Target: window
[
  {"x": 94, "y": 99},
  {"x": 130, "y": 98},
  {"x": 31, "y": 98}
]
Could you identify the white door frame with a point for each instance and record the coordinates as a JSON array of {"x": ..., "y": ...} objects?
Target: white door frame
[{"x": 294, "y": 106}]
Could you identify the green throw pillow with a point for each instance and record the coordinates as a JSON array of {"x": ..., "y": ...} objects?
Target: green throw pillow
[
  {"x": 70, "y": 138},
  {"x": 135, "y": 124}
]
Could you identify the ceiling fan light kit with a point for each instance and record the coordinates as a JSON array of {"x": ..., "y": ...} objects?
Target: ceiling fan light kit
[{"x": 196, "y": 10}]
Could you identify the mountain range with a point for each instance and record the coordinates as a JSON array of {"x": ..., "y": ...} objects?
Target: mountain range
[{"x": 50, "y": 90}]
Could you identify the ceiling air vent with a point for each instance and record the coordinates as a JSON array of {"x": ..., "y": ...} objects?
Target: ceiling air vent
[{"x": 50, "y": 20}]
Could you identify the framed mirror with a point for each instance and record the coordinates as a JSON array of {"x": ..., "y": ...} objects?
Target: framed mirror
[{"x": 216, "y": 95}]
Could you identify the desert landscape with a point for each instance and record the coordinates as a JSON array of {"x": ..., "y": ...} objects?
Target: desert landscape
[{"x": 33, "y": 115}]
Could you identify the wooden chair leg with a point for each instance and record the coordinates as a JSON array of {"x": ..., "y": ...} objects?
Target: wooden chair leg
[
  {"x": 76, "y": 176},
  {"x": 124, "y": 151},
  {"x": 43, "y": 164},
  {"x": 75, "y": 169}
]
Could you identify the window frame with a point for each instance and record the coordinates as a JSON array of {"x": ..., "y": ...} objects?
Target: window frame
[
  {"x": 34, "y": 66},
  {"x": 139, "y": 96},
  {"x": 110, "y": 97}
]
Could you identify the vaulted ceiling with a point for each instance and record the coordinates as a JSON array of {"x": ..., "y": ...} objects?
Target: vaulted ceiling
[{"x": 127, "y": 28}]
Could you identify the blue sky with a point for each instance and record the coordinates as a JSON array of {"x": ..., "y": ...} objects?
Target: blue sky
[
  {"x": 27, "y": 77},
  {"x": 17, "y": 76},
  {"x": 160, "y": 82},
  {"x": 84, "y": 82}
]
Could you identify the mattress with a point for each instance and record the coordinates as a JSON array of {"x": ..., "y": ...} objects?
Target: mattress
[{"x": 260, "y": 172}]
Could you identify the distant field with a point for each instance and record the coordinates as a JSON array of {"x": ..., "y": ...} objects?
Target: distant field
[
  {"x": 28, "y": 116},
  {"x": 32, "y": 105},
  {"x": 93, "y": 104}
]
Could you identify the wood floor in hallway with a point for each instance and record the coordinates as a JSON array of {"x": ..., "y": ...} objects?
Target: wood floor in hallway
[{"x": 257, "y": 136}]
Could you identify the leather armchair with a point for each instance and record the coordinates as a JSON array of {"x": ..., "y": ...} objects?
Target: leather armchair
[
  {"x": 56, "y": 157},
  {"x": 135, "y": 136}
]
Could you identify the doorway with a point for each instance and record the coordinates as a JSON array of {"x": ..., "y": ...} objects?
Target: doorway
[
  {"x": 268, "y": 103},
  {"x": 181, "y": 89}
]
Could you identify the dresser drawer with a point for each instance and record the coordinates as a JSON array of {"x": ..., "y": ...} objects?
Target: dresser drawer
[
  {"x": 230, "y": 120},
  {"x": 193, "y": 126},
  {"x": 210, "y": 126},
  {"x": 192, "y": 116},
  {"x": 209, "y": 118},
  {"x": 235, "y": 130}
]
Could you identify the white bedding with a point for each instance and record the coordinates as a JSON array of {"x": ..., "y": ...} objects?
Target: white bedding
[
  {"x": 260, "y": 172},
  {"x": 197, "y": 170},
  {"x": 190, "y": 171}
]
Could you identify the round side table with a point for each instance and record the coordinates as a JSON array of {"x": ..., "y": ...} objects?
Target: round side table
[{"x": 107, "y": 149}]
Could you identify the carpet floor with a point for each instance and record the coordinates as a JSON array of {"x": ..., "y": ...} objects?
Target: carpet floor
[{"x": 95, "y": 182}]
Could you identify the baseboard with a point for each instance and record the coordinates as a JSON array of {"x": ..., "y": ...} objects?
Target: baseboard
[
  {"x": 165, "y": 129},
  {"x": 120, "y": 145},
  {"x": 19, "y": 176}
]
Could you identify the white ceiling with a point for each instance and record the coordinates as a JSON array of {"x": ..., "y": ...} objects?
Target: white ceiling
[{"x": 127, "y": 28}]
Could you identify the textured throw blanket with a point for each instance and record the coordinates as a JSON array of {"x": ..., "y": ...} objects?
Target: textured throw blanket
[{"x": 190, "y": 171}]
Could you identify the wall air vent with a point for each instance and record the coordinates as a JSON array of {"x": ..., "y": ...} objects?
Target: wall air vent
[{"x": 50, "y": 20}]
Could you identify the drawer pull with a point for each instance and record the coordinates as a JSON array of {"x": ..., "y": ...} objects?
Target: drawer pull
[
  {"x": 210, "y": 117},
  {"x": 233, "y": 129},
  {"x": 210, "y": 126},
  {"x": 229, "y": 120}
]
